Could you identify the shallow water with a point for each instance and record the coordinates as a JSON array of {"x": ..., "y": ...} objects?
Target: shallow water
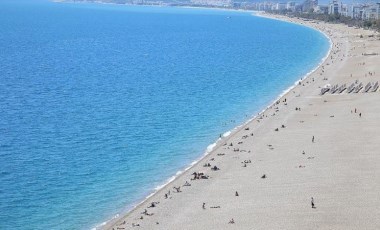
[{"x": 100, "y": 104}]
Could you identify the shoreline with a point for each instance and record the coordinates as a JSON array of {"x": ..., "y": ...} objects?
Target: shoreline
[
  {"x": 291, "y": 175},
  {"x": 230, "y": 133}
]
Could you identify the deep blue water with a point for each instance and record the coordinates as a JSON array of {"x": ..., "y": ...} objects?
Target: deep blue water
[{"x": 99, "y": 104}]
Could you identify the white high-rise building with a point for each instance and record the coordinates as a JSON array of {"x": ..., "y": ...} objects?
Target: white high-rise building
[
  {"x": 371, "y": 12},
  {"x": 355, "y": 11},
  {"x": 335, "y": 7},
  {"x": 280, "y": 6}
]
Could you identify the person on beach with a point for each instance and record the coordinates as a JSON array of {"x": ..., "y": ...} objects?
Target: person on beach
[
  {"x": 236, "y": 193},
  {"x": 312, "y": 139},
  {"x": 195, "y": 176},
  {"x": 232, "y": 221},
  {"x": 312, "y": 203},
  {"x": 215, "y": 168},
  {"x": 204, "y": 206}
]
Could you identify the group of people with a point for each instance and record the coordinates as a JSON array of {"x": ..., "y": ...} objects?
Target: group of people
[
  {"x": 198, "y": 176},
  {"x": 201, "y": 175},
  {"x": 245, "y": 162}
]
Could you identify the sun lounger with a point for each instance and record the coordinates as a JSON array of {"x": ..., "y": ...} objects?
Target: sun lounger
[
  {"x": 367, "y": 87},
  {"x": 358, "y": 88},
  {"x": 351, "y": 88},
  {"x": 324, "y": 90},
  {"x": 375, "y": 87}
]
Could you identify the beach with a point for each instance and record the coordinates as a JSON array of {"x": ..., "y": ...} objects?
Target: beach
[{"x": 309, "y": 161}]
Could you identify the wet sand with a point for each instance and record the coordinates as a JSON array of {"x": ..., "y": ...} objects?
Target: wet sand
[{"x": 340, "y": 169}]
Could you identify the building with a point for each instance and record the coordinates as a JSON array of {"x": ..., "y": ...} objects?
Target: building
[
  {"x": 265, "y": 6},
  {"x": 344, "y": 10},
  {"x": 355, "y": 11},
  {"x": 219, "y": 3},
  {"x": 281, "y": 6},
  {"x": 371, "y": 12},
  {"x": 308, "y": 5},
  {"x": 291, "y": 6},
  {"x": 335, "y": 7},
  {"x": 321, "y": 9}
]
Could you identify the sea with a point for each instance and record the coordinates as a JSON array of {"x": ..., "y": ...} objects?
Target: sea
[{"x": 102, "y": 104}]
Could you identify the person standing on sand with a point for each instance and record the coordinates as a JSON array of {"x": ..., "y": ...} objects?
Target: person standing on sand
[
  {"x": 312, "y": 139},
  {"x": 204, "y": 206},
  {"x": 312, "y": 203}
]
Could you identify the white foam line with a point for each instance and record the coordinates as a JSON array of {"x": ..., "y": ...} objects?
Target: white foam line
[{"x": 209, "y": 149}]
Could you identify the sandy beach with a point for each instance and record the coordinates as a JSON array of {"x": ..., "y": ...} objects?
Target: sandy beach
[{"x": 307, "y": 145}]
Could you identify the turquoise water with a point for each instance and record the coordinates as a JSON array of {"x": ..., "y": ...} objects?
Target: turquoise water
[{"x": 100, "y": 104}]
